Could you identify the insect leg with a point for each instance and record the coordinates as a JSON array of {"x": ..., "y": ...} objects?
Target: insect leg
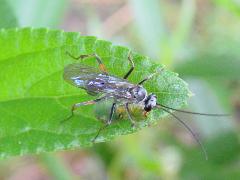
[
  {"x": 132, "y": 67},
  {"x": 83, "y": 56},
  {"x": 75, "y": 106},
  {"x": 111, "y": 113},
  {"x": 102, "y": 128},
  {"x": 108, "y": 122},
  {"x": 129, "y": 115},
  {"x": 150, "y": 76}
]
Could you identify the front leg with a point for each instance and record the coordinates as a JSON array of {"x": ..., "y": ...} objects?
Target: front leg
[
  {"x": 113, "y": 108},
  {"x": 109, "y": 121},
  {"x": 150, "y": 76},
  {"x": 129, "y": 115}
]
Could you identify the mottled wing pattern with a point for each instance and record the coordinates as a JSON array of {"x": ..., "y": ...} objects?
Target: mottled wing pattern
[
  {"x": 94, "y": 82},
  {"x": 109, "y": 84},
  {"x": 79, "y": 74}
]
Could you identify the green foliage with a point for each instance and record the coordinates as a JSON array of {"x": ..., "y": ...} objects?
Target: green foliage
[
  {"x": 231, "y": 5},
  {"x": 156, "y": 38},
  {"x": 39, "y": 13},
  {"x": 55, "y": 166},
  {"x": 8, "y": 18},
  {"x": 145, "y": 21},
  {"x": 34, "y": 98},
  {"x": 223, "y": 151},
  {"x": 211, "y": 66}
]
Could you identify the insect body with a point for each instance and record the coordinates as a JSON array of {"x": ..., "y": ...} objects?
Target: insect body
[{"x": 99, "y": 82}]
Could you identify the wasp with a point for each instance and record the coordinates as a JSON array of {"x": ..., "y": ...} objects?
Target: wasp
[{"x": 100, "y": 83}]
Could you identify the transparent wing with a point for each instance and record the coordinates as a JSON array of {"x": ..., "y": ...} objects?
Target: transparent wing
[
  {"x": 94, "y": 82},
  {"x": 78, "y": 74}
]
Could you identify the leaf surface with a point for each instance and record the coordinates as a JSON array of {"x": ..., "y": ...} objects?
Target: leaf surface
[{"x": 34, "y": 98}]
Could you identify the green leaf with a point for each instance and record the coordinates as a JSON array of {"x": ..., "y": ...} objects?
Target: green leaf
[{"x": 34, "y": 98}]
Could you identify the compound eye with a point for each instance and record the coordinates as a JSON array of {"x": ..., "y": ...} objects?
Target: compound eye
[{"x": 141, "y": 94}]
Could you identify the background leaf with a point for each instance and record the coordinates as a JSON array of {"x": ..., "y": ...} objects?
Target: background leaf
[
  {"x": 34, "y": 97},
  {"x": 39, "y": 13},
  {"x": 210, "y": 66},
  {"x": 8, "y": 18},
  {"x": 231, "y": 5},
  {"x": 150, "y": 25}
]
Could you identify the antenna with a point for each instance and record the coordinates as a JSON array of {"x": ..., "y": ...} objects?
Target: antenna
[
  {"x": 190, "y": 112},
  {"x": 189, "y": 130}
]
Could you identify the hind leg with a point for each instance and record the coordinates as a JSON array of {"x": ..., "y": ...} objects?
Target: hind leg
[
  {"x": 77, "y": 105},
  {"x": 83, "y": 56}
]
